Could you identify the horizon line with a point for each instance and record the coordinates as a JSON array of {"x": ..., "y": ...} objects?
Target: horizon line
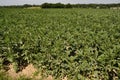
[{"x": 55, "y": 3}]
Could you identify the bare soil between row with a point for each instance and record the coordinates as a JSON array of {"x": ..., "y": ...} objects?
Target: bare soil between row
[{"x": 27, "y": 72}]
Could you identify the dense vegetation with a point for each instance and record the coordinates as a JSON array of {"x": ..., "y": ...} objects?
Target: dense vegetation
[{"x": 78, "y": 43}]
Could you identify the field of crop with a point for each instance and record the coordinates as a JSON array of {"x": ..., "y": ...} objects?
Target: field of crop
[{"x": 82, "y": 44}]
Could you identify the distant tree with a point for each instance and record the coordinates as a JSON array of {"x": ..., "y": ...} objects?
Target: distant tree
[
  {"x": 68, "y": 6},
  {"x": 59, "y": 5},
  {"x": 50, "y": 5},
  {"x": 27, "y": 5},
  {"x": 45, "y": 5}
]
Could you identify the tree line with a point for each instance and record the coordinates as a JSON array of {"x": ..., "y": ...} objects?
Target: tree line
[
  {"x": 20, "y": 6},
  {"x": 60, "y": 5}
]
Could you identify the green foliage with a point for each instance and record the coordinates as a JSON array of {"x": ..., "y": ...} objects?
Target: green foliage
[{"x": 78, "y": 43}]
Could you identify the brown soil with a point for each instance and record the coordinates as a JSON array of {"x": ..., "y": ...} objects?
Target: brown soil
[
  {"x": 49, "y": 78},
  {"x": 65, "y": 78},
  {"x": 28, "y": 72}
]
